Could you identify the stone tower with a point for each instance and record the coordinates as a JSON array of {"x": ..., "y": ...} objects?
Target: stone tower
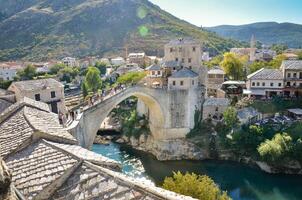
[{"x": 188, "y": 53}]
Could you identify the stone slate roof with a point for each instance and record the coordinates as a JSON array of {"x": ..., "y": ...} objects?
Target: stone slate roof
[
  {"x": 216, "y": 102},
  {"x": 181, "y": 41},
  {"x": 266, "y": 74},
  {"x": 170, "y": 64},
  {"x": 47, "y": 164},
  {"x": 25, "y": 121},
  {"x": 292, "y": 64},
  {"x": 216, "y": 71},
  {"x": 4, "y": 104},
  {"x": 39, "y": 84},
  {"x": 184, "y": 73},
  {"x": 153, "y": 68}
]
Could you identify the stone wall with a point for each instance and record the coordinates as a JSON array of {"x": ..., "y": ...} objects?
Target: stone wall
[{"x": 6, "y": 191}]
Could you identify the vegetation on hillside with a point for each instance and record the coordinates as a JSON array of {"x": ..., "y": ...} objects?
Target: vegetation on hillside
[
  {"x": 288, "y": 34},
  {"x": 81, "y": 27}
]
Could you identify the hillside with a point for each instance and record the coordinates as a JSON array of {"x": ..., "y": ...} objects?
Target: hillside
[
  {"x": 265, "y": 32},
  {"x": 43, "y": 29}
]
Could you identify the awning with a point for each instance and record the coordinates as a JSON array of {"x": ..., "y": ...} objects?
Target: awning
[
  {"x": 247, "y": 92},
  {"x": 155, "y": 83}
]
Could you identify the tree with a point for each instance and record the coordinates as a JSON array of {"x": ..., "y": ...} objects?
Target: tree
[
  {"x": 276, "y": 148},
  {"x": 277, "y": 61},
  {"x": 85, "y": 89},
  {"x": 215, "y": 61},
  {"x": 233, "y": 66},
  {"x": 131, "y": 77},
  {"x": 93, "y": 79},
  {"x": 28, "y": 73},
  {"x": 68, "y": 73},
  {"x": 255, "y": 66},
  {"x": 230, "y": 117},
  {"x": 196, "y": 186},
  {"x": 299, "y": 54},
  {"x": 102, "y": 67},
  {"x": 279, "y": 48},
  {"x": 56, "y": 68}
]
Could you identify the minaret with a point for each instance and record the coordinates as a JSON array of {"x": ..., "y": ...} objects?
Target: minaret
[{"x": 253, "y": 41}]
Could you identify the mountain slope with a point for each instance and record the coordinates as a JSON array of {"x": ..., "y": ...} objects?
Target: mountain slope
[
  {"x": 266, "y": 32},
  {"x": 42, "y": 29}
]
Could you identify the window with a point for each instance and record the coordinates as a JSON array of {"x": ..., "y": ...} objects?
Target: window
[
  {"x": 263, "y": 83},
  {"x": 158, "y": 72},
  {"x": 288, "y": 84},
  {"x": 182, "y": 60},
  {"x": 279, "y": 84},
  {"x": 174, "y": 83},
  {"x": 53, "y": 94},
  {"x": 194, "y": 49},
  {"x": 288, "y": 75},
  {"x": 294, "y": 84},
  {"x": 189, "y": 60},
  {"x": 190, "y": 67},
  {"x": 272, "y": 84},
  {"x": 295, "y": 75},
  {"x": 253, "y": 83},
  {"x": 153, "y": 73},
  {"x": 174, "y": 68},
  {"x": 192, "y": 82},
  {"x": 300, "y": 75},
  {"x": 216, "y": 109},
  {"x": 258, "y": 84},
  {"x": 181, "y": 83},
  {"x": 171, "y": 50},
  {"x": 37, "y": 97},
  {"x": 176, "y": 59}
]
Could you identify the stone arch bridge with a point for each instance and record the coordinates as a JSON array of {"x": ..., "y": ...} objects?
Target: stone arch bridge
[{"x": 171, "y": 112}]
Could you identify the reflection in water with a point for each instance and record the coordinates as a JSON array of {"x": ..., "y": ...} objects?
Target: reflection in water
[{"x": 241, "y": 182}]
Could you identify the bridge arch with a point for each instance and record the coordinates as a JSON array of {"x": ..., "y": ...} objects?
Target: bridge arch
[{"x": 93, "y": 116}]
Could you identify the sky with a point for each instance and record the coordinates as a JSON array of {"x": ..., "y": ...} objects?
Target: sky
[{"x": 233, "y": 12}]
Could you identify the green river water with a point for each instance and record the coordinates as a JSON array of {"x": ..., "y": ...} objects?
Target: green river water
[{"x": 241, "y": 182}]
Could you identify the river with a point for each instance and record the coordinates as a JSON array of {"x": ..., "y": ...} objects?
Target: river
[{"x": 241, "y": 181}]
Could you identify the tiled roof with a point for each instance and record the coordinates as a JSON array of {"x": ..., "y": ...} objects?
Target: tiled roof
[
  {"x": 266, "y": 74},
  {"x": 4, "y": 104},
  {"x": 153, "y": 67},
  {"x": 87, "y": 155},
  {"x": 171, "y": 64},
  {"x": 93, "y": 182},
  {"x": 44, "y": 169},
  {"x": 35, "y": 168},
  {"x": 216, "y": 102},
  {"x": 181, "y": 41},
  {"x": 216, "y": 71},
  {"x": 292, "y": 64},
  {"x": 38, "y": 84},
  {"x": 23, "y": 122},
  {"x": 184, "y": 73}
]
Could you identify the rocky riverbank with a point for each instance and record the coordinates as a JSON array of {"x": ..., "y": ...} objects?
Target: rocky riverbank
[{"x": 182, "y": 149}]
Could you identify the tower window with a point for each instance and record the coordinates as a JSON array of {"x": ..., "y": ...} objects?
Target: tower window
[{"x": 53, "y": 94}]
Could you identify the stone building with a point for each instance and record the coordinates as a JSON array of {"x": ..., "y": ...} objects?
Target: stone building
[
  {"x": 183, "y": 79},
  {"x": 156, "y": 76},
  {"x": 47, "y": 164},
  {"x": 214, "y": 82},
  {"x": 138, "y": 58},
  {"x": 189, "y": 53},
  {"x": 48, "y": 91},
  {"x": 265, "y": 83},
  {"x": 292, "y": 74},
  {"x": 213, "y": 108}
]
